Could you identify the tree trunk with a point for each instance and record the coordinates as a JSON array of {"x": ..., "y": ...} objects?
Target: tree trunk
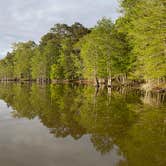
[
  {"x": 97, "y": 82},
  {"x": 109, "y": 82}
]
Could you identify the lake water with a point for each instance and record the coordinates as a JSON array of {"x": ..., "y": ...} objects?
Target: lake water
[{"x": 69, "y": 125}]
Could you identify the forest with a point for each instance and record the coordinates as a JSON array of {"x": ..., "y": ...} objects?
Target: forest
[{"x": 131, "y": 49}]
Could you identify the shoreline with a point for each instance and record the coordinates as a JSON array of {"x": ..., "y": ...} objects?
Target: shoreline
[{"x": 131, "y": 84}]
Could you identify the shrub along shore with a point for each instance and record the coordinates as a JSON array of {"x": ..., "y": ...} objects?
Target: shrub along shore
[{"x": 129, "y": 51}]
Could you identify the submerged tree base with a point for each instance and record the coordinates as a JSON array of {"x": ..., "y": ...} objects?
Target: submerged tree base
[
  {"x": 154, "y": 87},
  {"x": 140, "y": 84}
]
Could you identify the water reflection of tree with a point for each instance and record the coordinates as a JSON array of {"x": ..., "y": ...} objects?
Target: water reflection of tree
[
  {"x": 119, "y": 118},
  {"x": 154, "y": 99},
  {"x": 146, "y": 140},
  {"x": 108, "y": 120}
]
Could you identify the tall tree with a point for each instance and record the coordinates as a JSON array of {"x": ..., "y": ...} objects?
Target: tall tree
[{"x": 23, "y": 55}]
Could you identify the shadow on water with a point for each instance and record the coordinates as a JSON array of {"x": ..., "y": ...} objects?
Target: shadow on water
[{"x": 129, "y": 119}]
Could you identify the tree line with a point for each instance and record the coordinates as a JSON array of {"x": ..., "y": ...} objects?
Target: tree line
[{"x": 131, "y": 48}]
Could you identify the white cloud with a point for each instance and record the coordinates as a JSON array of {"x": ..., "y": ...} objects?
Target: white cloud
[{"x": 22, "y": 20}]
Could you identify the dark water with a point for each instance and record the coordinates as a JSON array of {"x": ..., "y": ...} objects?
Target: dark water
[{"x": 65, "y": 125}]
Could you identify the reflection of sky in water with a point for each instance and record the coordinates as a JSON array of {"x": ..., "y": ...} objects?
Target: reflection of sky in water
[
  {"x": 4, "y": 111},
  {"x": 28, "y": 143}
]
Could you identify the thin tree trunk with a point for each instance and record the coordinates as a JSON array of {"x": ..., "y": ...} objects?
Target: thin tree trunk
[
  {"x": 109, "y": 81},
  {"x": 97, "y": 82}
]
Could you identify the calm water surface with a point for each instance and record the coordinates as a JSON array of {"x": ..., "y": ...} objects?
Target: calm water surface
[{"x": 69, "y": 125}]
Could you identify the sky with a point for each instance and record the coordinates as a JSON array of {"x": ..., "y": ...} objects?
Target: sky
[{"x": 23, "y": 20}]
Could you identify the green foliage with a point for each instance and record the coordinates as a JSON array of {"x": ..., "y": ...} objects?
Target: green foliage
[
  {"x": 65, "y": 67},
  {"x": 7, "y": 67},
  {"x": 23, "y": 54},
  {"x": 105, "y": 51},
  {"x": 146, "y": 31}
]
